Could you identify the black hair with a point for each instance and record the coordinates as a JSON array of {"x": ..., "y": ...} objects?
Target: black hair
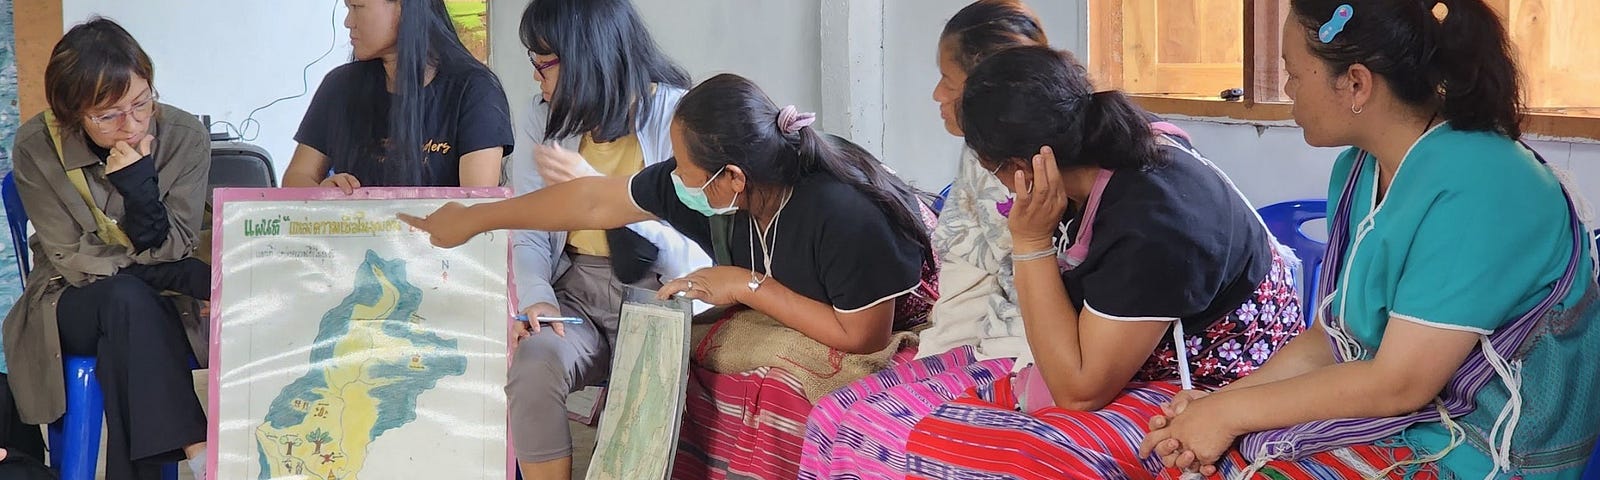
[
  {"x": 728, "y": 120},
  {"x": 91, "y": 67},
  {"x": 1462, "y": 65},
  {"x": 609, "y": 64},
  {"x": 1024, "y": 98},
  {"x": 989, "y": 26},
  {"x": 426, "y": 37}
]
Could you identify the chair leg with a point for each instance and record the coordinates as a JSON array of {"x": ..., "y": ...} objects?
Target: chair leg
[{"x": 75, "y": 438}]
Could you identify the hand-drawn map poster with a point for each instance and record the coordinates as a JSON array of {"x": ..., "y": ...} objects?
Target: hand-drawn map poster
[
  {"x": 346, "y": 347},
  {"x": 638, "y": 435}
]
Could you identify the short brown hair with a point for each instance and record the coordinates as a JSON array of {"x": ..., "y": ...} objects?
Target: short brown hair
[{"x": 92, "y": 65}]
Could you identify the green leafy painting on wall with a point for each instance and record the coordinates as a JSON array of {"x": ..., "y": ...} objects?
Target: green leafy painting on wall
[{"x": 472, "y": 23}]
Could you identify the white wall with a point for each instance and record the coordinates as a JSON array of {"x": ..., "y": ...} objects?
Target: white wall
[
  {"x": 226, "y": 58},
  {"x": 509, "y": 60},
  {"x": 774, "y": 43},
  {"x": 1274, "y": 164}
]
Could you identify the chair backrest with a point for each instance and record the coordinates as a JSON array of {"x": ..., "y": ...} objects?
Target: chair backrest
[
  {"x": 1592, "y": 472},
  {"x": 233, "y": 164},
  {"x": 236, "y": 164},
  {"x": 938, "y": 203},
  {"x": 17, "y": 220},
  {"x": 1286, "y": 221}
]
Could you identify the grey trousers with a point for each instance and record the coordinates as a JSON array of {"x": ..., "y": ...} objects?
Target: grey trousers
[{"x": 546, "y": 367}]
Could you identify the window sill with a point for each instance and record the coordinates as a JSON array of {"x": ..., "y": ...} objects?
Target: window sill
[
  {"x": 1581, "y": 126},
  {"x": 1192, "y": 107}
]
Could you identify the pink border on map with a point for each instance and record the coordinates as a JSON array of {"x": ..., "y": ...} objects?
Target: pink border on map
[{"x": 224, "y": 196}]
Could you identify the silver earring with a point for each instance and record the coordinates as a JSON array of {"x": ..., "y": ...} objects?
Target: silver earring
[{"x": 1354, "y": 109}]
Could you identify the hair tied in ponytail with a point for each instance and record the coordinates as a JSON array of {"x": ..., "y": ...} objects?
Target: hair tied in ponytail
[{"x": 790, "y": 120}]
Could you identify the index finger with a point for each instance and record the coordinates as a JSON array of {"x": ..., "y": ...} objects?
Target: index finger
[
  {"x": 347, "y": 182},
  {"x": 1048, "y": 155},
  {"x": 669, "y": 289},
  {"x": 416, "y": 222},
  {"x": 1024, "y": 188},
  {"x": 1158, "y": 422},
  {"x": 1150, "y": 441},
  {"x": 1045, "y": 175},
  {"x": 1185, "y": 460}
]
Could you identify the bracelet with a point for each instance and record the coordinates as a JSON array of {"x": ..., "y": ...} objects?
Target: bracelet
[{"x": 1028, "y": 257}]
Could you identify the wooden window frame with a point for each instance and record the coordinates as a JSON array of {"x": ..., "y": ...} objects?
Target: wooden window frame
[{"x": 1264, "y": 73}]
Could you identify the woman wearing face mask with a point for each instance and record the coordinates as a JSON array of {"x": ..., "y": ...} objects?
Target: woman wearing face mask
[
  {"x": 1459, "y": 316},
  {"x": 809, "y": 230},
  {"x": 976, "y": 333},
  {"x": 115, "y": 184},
  {"x": 591, "y": 58},
  {"x": 413, "y": 109},
  {"x": 1165, "y": 277}
]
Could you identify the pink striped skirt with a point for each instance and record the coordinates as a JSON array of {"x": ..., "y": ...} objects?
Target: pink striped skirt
[{"x": 860, "y": 431}]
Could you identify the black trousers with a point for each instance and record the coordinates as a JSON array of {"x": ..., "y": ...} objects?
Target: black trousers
[
  {"x": 143, "y": 364},
  {"x": 22, "y": 442}
]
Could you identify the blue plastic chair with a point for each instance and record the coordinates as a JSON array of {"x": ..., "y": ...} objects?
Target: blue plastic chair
[
  {"x": 17, "y": 220},
  {"x": 75, "y": 438},
  {"x": 938, "y": 203},
  {"x": 1287, "y": 221}
]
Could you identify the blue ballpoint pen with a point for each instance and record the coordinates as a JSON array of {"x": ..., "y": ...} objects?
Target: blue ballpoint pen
[{"x": 566, "y": 320}]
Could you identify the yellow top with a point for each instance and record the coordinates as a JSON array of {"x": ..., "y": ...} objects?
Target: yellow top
[{"x": 622, "y": 156}]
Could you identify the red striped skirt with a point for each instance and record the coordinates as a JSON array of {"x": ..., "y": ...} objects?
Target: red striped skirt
[
  {"x": 744, "y": 425},
  {"x": 974, "y": 438}
]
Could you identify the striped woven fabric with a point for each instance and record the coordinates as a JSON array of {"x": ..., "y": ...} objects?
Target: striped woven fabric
[
  {"x": 1348, "y": 463},
  {"x": 860, "y": 431},
  {"x": 973, "y": 438},
  {"x": 746, "y": 425}
]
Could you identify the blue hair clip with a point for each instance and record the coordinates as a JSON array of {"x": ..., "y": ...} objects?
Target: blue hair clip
[{"x": 1335, "y": 25}]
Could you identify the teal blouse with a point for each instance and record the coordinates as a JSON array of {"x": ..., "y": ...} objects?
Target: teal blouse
[{"x": 1472, "y": 233}]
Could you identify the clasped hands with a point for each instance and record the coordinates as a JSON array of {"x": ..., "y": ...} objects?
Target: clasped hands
[{"x": 1191, "y": 434}]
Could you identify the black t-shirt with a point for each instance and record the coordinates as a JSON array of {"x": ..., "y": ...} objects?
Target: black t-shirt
[
  {"x": 464, "y": 110},
  {"x": 833, "y": 245},
  {"x": 1174, "y": 241}
]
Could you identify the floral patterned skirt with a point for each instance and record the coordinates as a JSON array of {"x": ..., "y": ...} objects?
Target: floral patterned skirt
[{"x": 1239, "y": 343}]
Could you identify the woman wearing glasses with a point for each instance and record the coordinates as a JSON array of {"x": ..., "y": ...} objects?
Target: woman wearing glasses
[
  {"x": 413, "y": 109},
  {"x": 115, "y": 183},
  {"x": 592, "y": 59}
]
